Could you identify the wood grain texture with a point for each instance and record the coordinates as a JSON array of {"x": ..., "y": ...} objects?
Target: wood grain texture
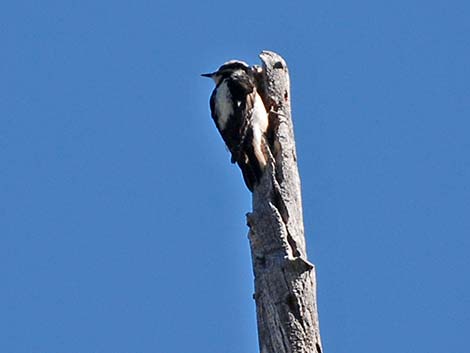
[{"x": 285, "y": 284}]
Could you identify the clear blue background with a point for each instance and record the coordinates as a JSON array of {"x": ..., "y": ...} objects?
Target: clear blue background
[{"x": 122, "y": 222}]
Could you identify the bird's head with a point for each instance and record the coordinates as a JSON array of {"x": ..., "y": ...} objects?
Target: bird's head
[{"x": 228, "y": 69}]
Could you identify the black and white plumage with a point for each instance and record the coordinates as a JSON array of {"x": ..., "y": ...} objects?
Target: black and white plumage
[{"x": 241, "y": 118}]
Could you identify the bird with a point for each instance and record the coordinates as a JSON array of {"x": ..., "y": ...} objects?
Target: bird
[{"x": 241, "y": 118}]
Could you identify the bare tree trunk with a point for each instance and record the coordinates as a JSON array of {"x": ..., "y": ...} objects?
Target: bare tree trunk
[{"x": 285, "y": 285}]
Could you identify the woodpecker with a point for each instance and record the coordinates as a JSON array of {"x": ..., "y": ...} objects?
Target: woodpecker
[{"x": 241, "y": 118}]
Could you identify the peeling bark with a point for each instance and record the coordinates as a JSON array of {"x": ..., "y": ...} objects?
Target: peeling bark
[{"x": 285, "y": 284}]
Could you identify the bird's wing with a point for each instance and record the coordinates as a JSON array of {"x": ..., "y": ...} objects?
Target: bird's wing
[
  {"x": 243, "y": 93},
  {"x": 231, "y": 131}
]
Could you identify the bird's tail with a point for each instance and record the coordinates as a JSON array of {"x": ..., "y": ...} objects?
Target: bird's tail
[{"x": 252, "y": 161}]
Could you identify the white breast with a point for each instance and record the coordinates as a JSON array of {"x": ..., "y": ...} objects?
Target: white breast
[
  {"x": 224, "y": 106},
  {"x": 260, "y": 116},
  {"x": 260, "y": 126}
]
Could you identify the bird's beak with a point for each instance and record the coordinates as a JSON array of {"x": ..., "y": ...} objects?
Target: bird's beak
[{"x": 208, "y": 75}]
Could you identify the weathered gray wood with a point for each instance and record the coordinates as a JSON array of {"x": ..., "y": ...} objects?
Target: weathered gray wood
[{"x": 285, "y": 285}]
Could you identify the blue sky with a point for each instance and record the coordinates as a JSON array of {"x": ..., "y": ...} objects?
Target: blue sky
[{"x": 122, "y": 226}]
